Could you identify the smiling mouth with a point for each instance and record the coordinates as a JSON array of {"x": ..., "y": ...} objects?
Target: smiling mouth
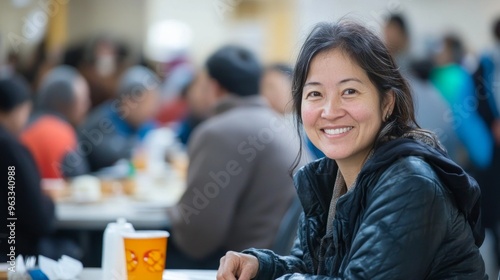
[{"x": 337, "y": 131}]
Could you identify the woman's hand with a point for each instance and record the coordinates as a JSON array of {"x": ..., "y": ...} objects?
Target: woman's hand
[{"x": 237, "y": 266}]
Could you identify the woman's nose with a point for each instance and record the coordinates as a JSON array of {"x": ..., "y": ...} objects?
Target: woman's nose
[{"x": 332, "y": 108}]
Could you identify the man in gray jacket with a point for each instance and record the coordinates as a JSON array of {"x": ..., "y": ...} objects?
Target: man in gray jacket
[{"x": 238, "y": 186}]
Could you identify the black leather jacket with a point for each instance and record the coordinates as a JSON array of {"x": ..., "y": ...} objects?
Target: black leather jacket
[{"x": 414, "y": 214}]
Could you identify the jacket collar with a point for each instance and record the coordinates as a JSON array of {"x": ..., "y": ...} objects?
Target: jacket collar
[{"x": 314, "y": 183}]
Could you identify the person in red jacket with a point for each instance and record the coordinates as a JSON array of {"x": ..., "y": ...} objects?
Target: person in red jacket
[{"x": 63, "y": 101}]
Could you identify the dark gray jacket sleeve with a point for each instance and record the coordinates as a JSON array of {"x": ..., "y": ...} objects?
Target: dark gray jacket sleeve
[
  {"x": 400, "y": 232},
  {"x": 272, "y": 266},
  {"x": 208, "y": 205}
]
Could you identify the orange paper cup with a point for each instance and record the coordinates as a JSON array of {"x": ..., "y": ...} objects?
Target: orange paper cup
[{"x": 145, "y": 254}]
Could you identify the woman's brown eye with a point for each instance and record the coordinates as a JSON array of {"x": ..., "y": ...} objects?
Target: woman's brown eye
[
  {"x": 313, "y": 94},
  {"x": 349, "y": 91}
]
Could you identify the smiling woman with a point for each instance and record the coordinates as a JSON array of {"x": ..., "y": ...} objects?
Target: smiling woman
[
  {"x": 341, "y": 112},
  {"x": 386, "y": 202}
]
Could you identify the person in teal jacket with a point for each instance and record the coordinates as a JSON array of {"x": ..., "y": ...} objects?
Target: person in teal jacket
[{"x": 457, "y": 87}]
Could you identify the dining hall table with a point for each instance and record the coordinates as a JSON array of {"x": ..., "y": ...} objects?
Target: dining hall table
[
  {"x": 170, "y": 274},
  {"x": 142, "y": 201},
  {"x": 144, "y": 206}
]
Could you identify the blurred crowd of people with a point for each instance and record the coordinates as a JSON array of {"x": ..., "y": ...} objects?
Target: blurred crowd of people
[
  {"x": 86, "y": 109},
  {"x": 457, "y": 97}
]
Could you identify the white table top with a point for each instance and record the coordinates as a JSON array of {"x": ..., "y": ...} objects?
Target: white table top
[
  {"x": 171, "y": 274},
  {"x": 97, "y": 216},
  {"x": 145, "y": 211}
]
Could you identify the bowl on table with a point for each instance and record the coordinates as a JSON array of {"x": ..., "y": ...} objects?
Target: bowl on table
[{"x": 85, "y": 189}]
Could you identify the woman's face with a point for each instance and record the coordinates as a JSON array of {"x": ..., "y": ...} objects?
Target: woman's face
[{"x": 341, "y": 109}]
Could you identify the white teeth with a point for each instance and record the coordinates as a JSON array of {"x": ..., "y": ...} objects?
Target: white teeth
[{"x": 337, "y": 131}]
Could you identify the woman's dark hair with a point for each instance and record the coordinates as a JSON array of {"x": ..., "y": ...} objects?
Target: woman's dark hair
[{"x": 369, "y": 52}]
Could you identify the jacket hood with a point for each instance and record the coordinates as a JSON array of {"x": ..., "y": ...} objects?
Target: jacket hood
[{"x": 465, "y": 190}]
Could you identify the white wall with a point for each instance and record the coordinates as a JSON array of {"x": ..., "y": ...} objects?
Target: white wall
[
  {"x": 13, "y": 32},
  {"x": 208, "y": 23},
  {"x": 470, "y": 19},
  {"x": 213, "y": 25},
  {"x": 124, "y": 19}
]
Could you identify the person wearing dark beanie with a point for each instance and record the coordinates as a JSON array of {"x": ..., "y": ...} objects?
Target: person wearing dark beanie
[
  {"x": 239, "y": 160},
  {"x": 15, "y": 103},
  {"x": 34, "y": 211},
  {"x": 236, "y": 69}
]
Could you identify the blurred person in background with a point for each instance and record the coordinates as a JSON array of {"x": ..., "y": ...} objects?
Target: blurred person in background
[
  {"x": 114, "y": 129},
  {"x": 103, "y": 63},
  {"x": 32, "y": 208},
  {"x": 195, "y": 113},
  {"x": 276, "y": 88},
  {"x": 397, "y": 40},
  {"x": 62, "y": 104},
  {"x": 176, "y": 74},
  {"x": 238, "y": 185},
  {"x": 38, "y": 64},
  {"x": 73, "y": 55},
  {"x": 473, "y": 121},
  {"x": 429, "y": 104},
  {"x": 386, "y": 202},
  {"x": 432, "y": 111},
  {"x": 487, "y": 78},
  {"x": 457, "y": 87},
  {"x": 11, "y": 66}
]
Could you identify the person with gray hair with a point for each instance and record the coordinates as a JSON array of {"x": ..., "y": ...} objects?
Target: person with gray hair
[
  {"x": 113, "y": 130},
  {"x": 61, "y": 87},
  {"x": 61, "y": 105}
]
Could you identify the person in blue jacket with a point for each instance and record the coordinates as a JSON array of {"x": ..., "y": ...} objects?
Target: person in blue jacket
[
  {"x": 487, "y": 77},
  {"x": 386, "y": 202},
  {"x": 115, "y": 128}
]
